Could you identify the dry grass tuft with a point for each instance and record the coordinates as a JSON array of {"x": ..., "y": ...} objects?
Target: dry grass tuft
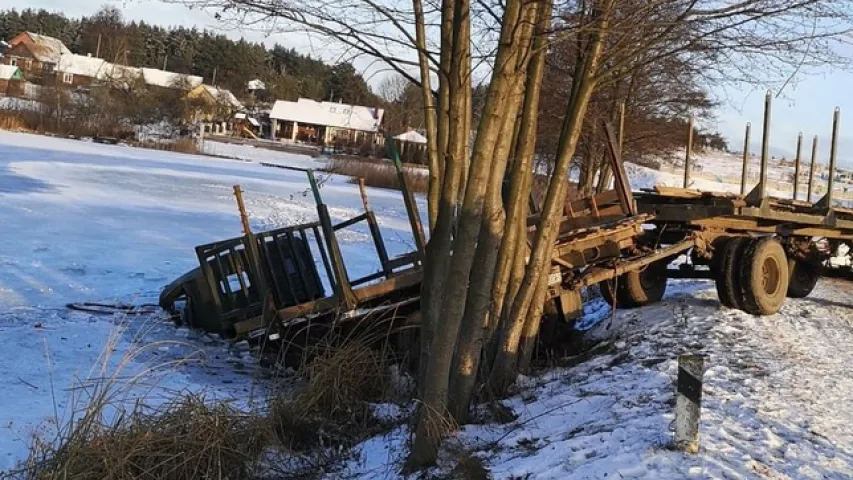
[
  {"x": 379, "y": 173},
  {"x": 297, "y": 435},
  {"x": 184, "y": 439},
  {"x": 343, "y": 375},
  {"x": 334, "y": 407}
]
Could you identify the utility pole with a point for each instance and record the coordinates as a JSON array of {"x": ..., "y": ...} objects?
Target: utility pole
[
  {"x": 165, "y": 60},
  {"x": 98, "y": 48},
  {"x": 213, "y": 82}
]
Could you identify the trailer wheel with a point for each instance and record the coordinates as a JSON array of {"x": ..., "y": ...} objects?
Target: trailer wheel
[
  {"x": 728, "y": 278},
  {"x": 566, "y": 307},
  {"x": 638, "y": 288},
  {"x": 802, "y": 278},
  {"x": 558, "y": 319},
  {"x": 765, "y": 277}
]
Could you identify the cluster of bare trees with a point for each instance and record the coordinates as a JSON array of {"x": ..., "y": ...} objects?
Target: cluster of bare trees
[{"x": 485, "y": 279}]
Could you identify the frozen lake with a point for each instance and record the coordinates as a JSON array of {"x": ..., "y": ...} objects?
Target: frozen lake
[{"x": 89, "y": 222}]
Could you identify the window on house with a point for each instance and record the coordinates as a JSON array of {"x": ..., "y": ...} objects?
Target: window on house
[
  {"x": 67, "y": 77},
  {"x": 13, "y": 62},
  {"x": 28, "y": 64},
  {"x": 47, "y": 67}
]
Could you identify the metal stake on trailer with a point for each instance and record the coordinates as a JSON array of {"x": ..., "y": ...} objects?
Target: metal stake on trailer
[
  {"x": 826, "y": 201},
  {"x": 745, "y": 160},
  {"x": 812, "y": 169},
  {"x": 758, "y": 193},
  {"x": 797, "y": 164},
  {"x": 689, "y": 151}
]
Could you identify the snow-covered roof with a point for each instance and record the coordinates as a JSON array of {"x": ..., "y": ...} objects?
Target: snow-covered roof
[
  {"x": 8, "y": 72},
  {"x": 47, "y": 49},
  {"x": 256, "y": 84},
  {"x": 81, "y": 65},
  {"x": 223, "y": 94},
  {"x": 122, "y": 74},
  {"x": 166, "y": 79},
  {"x": 411, "y": 136},
  {"x": 329, "y": 114}
]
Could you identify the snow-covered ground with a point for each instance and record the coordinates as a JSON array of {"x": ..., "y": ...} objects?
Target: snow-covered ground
[
  {"x": 775, "y": 399},
  {"x": 89, "y": 222}
]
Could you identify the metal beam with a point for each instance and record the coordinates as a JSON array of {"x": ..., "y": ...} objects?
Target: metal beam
[
  {"x": 797, "y": 164},
  {"x": 689, "y": 151},
  {"x": 826, "y": 201},
  {"x": 812, "y": 169},
  {"x": 745, "y": 160}
]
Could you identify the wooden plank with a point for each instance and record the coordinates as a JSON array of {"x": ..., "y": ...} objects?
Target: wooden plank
[
  {"x": 621, "y": 183},
  {"x": 343, "y": 290},
  {"x": 576, "y": 207},
  {"x": 677, "y": 192},
  {"x": 400, "y": 282}
]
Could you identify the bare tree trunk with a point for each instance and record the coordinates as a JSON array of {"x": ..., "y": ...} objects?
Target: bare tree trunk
[
  {"x": 531, "y": 326},
  {"x": 429, "y": 115},
  {"x": 436, "y": 380},
  {"x": 475, "y": 320},
  {"x": 513, "y": 248},
  {"x": 437, "y": 250},
  {"x": 466, "y": 132},
  {"x": 506, "y": 360},
  {"x": 432, "y": 419}
]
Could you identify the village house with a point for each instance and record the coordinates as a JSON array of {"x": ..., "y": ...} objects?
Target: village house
[
  {"x": 36, "y": 55},
  {"x": 325, "y": 123},
  {"x": 214, "y": 108},
  {"x": 79, "y": 70},
  {"x": 11, "y": 81}
]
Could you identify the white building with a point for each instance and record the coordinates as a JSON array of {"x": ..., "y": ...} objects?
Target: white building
[{"x": 325, "y": 122}]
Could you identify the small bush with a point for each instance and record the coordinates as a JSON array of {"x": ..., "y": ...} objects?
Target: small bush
[{"x": 378, "y": 173}]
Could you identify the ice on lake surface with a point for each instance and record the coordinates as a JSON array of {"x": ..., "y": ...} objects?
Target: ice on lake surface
[{"x": 91, "y": 222}]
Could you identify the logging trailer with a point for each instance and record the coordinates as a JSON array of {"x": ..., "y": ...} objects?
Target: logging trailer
[{"x": 758, "y": 249}]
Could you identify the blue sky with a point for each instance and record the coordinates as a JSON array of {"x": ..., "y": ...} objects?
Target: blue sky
[{"x": 805, "y": 105}]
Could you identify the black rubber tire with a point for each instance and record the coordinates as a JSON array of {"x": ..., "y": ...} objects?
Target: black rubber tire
[
  {"x": 719, "y": 246},
  {"x": 765, "y": 277},
  {"x": 802, "y": 278},
  {"x": 728, "y": 279},
  {"x": 607, "y": 293},
  {"x": 567, "y": 307},
  {"x": 638, "y": 288}
]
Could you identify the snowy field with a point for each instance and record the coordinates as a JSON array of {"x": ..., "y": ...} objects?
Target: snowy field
[{"x": 86, "y": 222}]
